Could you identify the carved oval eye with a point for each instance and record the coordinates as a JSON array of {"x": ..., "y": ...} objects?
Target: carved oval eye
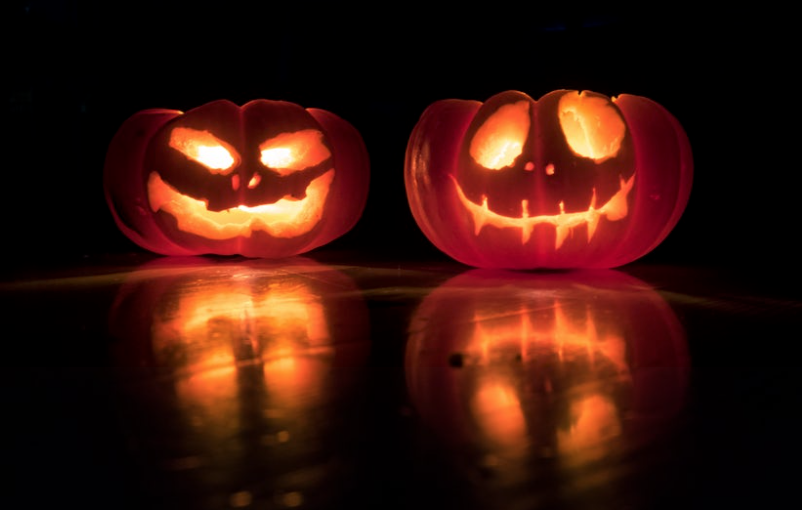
[
  {"x": 592, "y": 126},
  {"x": 501, "y": 138},
  {"x": 291, "y": 152},
  {"x": 204, "y": 148}
]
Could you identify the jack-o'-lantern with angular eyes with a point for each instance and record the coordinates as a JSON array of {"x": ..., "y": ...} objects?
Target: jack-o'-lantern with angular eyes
[
  {"x": 574, "y": 179},
  {"x": 267, "y": 179}
]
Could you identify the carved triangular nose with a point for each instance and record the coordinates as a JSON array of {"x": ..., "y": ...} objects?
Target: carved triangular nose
[{"x": 254, "y": 181}]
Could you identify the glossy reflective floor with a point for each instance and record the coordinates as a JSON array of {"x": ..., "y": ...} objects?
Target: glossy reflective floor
[{"x": 139, "y": 382}]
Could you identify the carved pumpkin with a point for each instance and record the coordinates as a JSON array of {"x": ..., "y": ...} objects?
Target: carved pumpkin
[
  {"x": 240, "y": 371},
  {"x": 268, "y": 179},
  {"x": 574, "y": 179},
  {"x": 511, "y": 369}
]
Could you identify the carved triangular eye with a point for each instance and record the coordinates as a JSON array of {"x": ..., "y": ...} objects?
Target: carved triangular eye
[
  {"x": 204, "y": 148},
  {"x": 501, "y": 138},
  {"x": 592, "y": 126},
  {"x": 291, "y": 152}
]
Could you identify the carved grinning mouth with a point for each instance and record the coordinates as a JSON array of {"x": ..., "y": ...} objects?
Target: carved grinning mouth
[
  {"x": 287, "y": 217},
  {"x": 615, "y": 209}
]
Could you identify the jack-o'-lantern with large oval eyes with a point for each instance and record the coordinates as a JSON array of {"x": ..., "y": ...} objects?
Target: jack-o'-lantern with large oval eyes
[
  {"x": 574, "y": 179},
  {"x": 267, "y": 179}
]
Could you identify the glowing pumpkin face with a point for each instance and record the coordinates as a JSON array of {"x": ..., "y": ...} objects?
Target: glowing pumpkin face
[
  {"x": 571, "y": 180},
  {"x": 268, "y": 179}
]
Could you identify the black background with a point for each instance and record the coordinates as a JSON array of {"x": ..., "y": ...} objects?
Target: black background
[
  {"x": 77, "y": 70},
  {"x": 74, "y": 71}
]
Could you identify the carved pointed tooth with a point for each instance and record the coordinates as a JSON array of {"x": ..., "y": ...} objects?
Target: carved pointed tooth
[
  {"x": 526, "y": 232},
  {"x": 593, "y": 222},
  {"x": 478, "y": 223},
  {"x": 526, "y": 226},
  {"x": 617, "y": 207},
  {"x": 593, "y": 200},
  {"x": 624, "y": 207},
  {"x": 479, "y": 217},
  {"x": 562, "y": 233}
]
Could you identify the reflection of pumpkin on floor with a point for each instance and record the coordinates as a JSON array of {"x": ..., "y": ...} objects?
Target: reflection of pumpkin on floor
[
  {"x": 239, "y": 370},
  {"x": 570, "y": 367},
  {"x": 574, "y": 179},
  {"x": 268, "y": 179}
]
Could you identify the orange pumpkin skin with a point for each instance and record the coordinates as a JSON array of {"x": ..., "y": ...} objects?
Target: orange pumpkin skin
[
  {"x": 542, "y": 199},
  {"x": 268, "y": 179}
]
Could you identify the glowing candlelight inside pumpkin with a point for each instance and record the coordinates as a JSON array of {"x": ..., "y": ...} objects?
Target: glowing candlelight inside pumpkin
[{"x": 203, "y": 147}]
